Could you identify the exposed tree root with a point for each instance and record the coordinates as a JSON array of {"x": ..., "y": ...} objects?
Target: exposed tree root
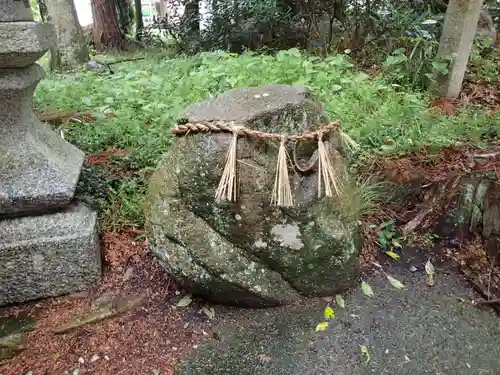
[{"x": 456, "y": 194}]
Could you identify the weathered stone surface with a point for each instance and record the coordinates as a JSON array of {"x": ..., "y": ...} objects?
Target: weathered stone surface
[
  {"x": 249, "y": 252},
  {"x": 39, "y": 169},
  {"x": 12, "y": 338},
  {"x": 491, "y": 224},
  {"x": 71, "y": 50},
  {"x": 23, "y": 43},
  {"x": 13, "y": 10},
  {"x": 49, "y": 255},
  {"x": 255, "y": 104},
  {"x": 473, "y": 209},
  {"x": 47, "y": 248}
]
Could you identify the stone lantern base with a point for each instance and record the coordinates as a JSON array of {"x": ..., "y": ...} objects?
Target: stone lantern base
[{"x": 49, "y": 255}]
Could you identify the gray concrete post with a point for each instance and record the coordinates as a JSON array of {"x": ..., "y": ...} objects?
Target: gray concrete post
[{"x": 456, "y": 42}]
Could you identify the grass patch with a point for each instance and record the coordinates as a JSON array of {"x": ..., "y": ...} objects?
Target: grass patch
[{"x": 137, "y": 106}]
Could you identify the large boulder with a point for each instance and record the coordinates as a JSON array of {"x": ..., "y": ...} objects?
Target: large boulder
[{"x": 251, "y": 253}]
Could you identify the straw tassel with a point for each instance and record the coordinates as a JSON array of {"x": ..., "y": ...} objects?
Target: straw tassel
[
  {"x": 326, "y": 172},
  {"x": 282, "y": 191},
  {"x": 348, "y": 142},
  {"x": 228, "y": 187}
]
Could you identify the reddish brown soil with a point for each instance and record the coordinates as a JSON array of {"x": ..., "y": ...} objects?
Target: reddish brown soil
[
  {"x": 104, "y": 157},
  {"x": 151, "y": 337},
  {"x": 479, "y": 270},
  {"x": 486, "y": 95},
  {"x": 440, "y": 166},
  {"x": 57, "y": 117}
]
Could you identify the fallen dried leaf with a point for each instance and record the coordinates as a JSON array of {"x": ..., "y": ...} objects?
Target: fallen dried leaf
[
  {"x": 367, "y": 289},
  {"x": 393, "y": 255},
  {"x": 340, "y": 301},
  {"x": 395, "y": 282},
  {"x": 321, "y": 327},
  {"x": 365, "y": 353},
  {"x": 445, "y": 106},
  {"x": 265, "y": 358},
  {"x": 210, "y": 312},
  {"x": 329, "y": 313},
  {"x": 429, "y": 268},
  {"x": 185, "y": 301}
]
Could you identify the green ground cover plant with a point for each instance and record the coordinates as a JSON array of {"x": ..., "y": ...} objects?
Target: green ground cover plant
[{"x": 136, "y": 107}]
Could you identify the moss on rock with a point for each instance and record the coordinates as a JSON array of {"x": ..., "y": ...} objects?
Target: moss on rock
[{"x": 250, "y": 252}]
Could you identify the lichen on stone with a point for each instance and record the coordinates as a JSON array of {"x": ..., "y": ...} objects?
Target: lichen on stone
[{"x": 256, "y": 254}]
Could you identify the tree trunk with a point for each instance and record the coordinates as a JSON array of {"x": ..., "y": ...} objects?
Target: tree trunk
[
  {"x": 70, "y": 51},
  {"x": 139, "y": 24},
  {"x": 339, "y": 10},
  {"x": 163, "y": 11},
  {"x": 124, "y": 11},
  {"x": 191, "y": 18},
  {"x": 106, "y": 33}
]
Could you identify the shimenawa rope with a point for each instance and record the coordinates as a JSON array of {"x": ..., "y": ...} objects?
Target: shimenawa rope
[{"x": 282, "y": 192}]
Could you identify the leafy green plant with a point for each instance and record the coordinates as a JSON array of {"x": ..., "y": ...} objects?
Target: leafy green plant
[
  {"x": 35, "y": 9},
  {"x": 136, "y": 107},
  {"x": 484, "y": 62},
  {"x": 387, "y": 236},
  {"x": 417, "y": 69},
  {"x": 371, "y": 196}
]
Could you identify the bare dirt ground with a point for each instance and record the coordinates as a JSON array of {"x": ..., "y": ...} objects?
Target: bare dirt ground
[{"x": 146, "y": 340}]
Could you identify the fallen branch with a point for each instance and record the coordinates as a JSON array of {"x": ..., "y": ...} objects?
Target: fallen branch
[
  {"x": 124, "y": 60},
  {"x": 111, "y": 309},
  {"x": 65, "y": 116},
  {"x": 414, "y": 223},
  {"x": 479, "y": 288}
]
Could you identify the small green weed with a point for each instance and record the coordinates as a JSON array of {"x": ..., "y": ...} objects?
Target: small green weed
[
  {"x": 417, "y": 67},
  {"x": 371, "y": 195},
  {"x": 387, "y": 236},
  {"x": 484, "y": 62}
]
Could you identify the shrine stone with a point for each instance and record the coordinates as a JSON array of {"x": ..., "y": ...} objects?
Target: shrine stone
[
  {"x": 15, "y": 11},
  {"x": 249, "y": 252},
  {"x": 49, "y": 246}
]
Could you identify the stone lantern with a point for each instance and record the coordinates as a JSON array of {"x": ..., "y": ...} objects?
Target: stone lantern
[{"x": 49, "y": 245}]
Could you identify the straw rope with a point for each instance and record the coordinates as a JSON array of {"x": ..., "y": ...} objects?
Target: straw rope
[
  {"x": 328, "y": 180},
  {"x": 224, "y": 126},
  {"x": 282, "y": 191}
]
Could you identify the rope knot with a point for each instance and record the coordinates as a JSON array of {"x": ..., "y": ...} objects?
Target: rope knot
[
  {"x": 320, "y": 133},
  {"x": 237, "y": 129},
  {"x": 283, "y": 139}
]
